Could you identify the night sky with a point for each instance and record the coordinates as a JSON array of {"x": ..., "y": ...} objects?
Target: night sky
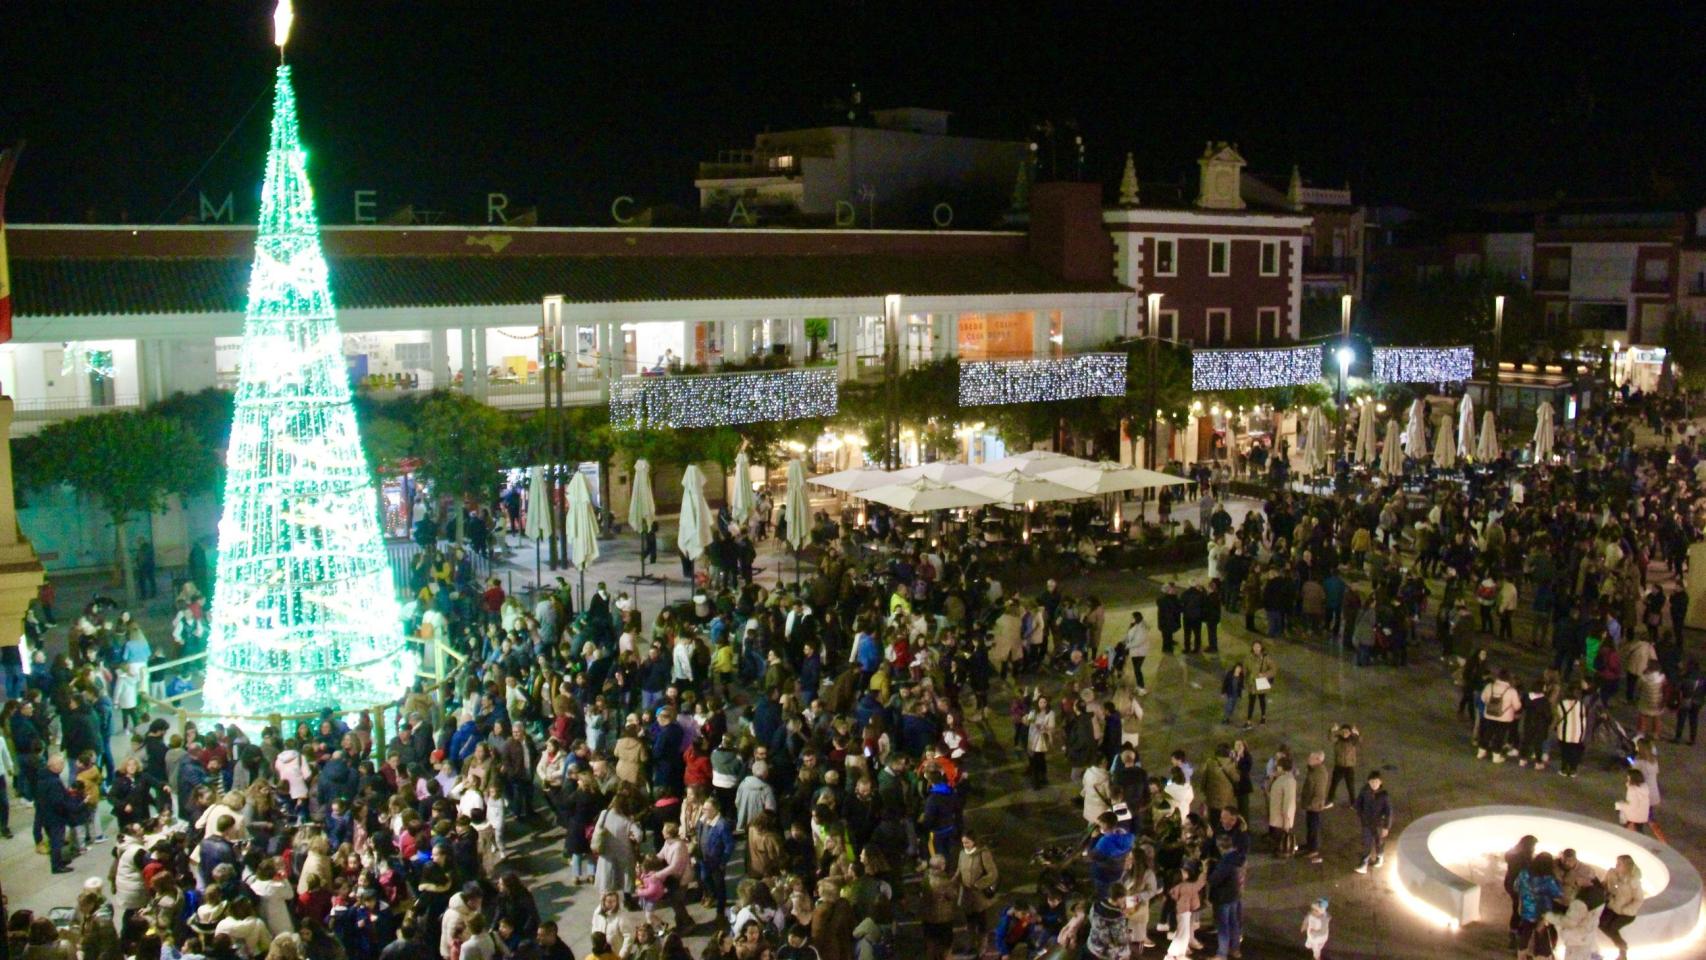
[{"x": 568, "y": 104}]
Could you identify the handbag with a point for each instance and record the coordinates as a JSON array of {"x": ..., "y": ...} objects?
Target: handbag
[
  {"x": 596, "y": 840},
  {"x": 1263, "y": 684}
]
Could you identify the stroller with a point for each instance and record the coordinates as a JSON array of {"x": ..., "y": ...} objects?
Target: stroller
[{"x": 1606, "y": 728}]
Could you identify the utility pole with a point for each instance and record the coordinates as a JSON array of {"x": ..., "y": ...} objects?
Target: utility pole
[
  {"x": 1152, "y": 327},
  {"x": 1498, "y": 351}
]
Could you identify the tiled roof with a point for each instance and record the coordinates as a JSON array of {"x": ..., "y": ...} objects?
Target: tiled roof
[{"x": 67, "y": 286}]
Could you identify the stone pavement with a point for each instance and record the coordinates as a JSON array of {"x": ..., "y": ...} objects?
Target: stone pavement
[{"x": 1410, "y": 731}]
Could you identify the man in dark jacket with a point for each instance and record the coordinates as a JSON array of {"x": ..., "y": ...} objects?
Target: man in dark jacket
[
  {"x": 1168, "y": 612},
  {"x": 1191, "y": 607},
  {"x": 57, "y": 808},
  {"x": 1374, "y": 810},
  {"x": 30, "y": 744},
  {"x": 338, "y": 781},
  {"x": 219, "y": 847},
  {"x": 1226, "y": 892}
]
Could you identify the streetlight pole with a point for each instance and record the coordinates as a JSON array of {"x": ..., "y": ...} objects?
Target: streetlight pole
[
  {"x": 1498, "y": 351},
  {"x": 1152, "y": 327},
  {"x": 1345, "y": 355},
  {"x": 550, "y": 347}
]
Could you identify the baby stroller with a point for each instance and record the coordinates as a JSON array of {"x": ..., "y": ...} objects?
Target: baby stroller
[{"x": 1606, "y": 727}]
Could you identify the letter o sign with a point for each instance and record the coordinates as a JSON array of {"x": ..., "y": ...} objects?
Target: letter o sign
[{"x": 942, "y": 214}]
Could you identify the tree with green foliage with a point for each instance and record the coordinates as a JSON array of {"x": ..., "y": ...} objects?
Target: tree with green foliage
[
  {"x": 207, "y": 414},
  {"x": 1685, "y": 351},
  {"x": 129, "y": 462},
  {"x": 462, "y": 444},
  {"x": 817, "y": 331},
  {"x": 1455, "y": 308}
]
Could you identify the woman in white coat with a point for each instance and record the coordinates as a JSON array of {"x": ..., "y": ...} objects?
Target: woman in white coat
[{"x": 1097, "y": 792}]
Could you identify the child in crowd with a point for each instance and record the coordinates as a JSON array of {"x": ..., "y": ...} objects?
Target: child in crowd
[{"x": 1314, "y": 929}]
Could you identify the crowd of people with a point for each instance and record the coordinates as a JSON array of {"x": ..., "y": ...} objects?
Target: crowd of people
[{"x": 787, "y": 772}]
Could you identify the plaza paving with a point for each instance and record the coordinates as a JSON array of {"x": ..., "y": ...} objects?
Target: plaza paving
[{"x": 1407, "y": 717}]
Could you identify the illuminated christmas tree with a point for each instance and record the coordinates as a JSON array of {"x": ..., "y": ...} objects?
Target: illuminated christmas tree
[{"x": 304, "y": 616}]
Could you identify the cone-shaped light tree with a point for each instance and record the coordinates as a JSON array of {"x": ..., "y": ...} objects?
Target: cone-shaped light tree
[{"x": 304, "y": 615}]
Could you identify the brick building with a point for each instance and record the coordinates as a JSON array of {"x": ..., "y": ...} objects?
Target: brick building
[{"x": 1230, "y": 272}]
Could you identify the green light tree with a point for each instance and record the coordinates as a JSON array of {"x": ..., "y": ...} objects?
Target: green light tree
[{"x": 304, "y": 616}]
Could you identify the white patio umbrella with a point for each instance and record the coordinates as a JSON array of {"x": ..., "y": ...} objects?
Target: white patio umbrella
[
  {"x": 740, "y": 503},
  {"x": 1014, "y": 488},
  {"x": 1366, "y": 449},
  {"x": 537, "y": 524},
  {"x": 854, "y": 480},
  {"x": 1392, "y": 454},
  {"x": 1108, "y": 477},
  {"x": 1466, "y": 427},
  {"x": 642, "y": 509},
  {"x": 797, "y": 511},
  {"x": 1543, "y": 429},
  {"x": 924, "y": 495},
  {"x": 1445, "y": 448},
  {"x": 1320, "y": 440},
  {"x": 1031, "y": 462},
  {"x": 1487, "y": 447},
  {"x": 581, "y": 524},
  {"x": 1416, "y": 432},
  {"x": 941, "y": 471},
  {"x": 693, "y": 533}
]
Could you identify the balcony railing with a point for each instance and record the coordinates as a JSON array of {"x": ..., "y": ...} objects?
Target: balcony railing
[{"x": 65, "y": 408}]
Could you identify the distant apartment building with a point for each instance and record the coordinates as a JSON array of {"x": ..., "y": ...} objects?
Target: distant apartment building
[
  {"x": 1335, "y": 242},
  {"x": 1229, "y": 267},
  {"x": 903, "y": 169}
]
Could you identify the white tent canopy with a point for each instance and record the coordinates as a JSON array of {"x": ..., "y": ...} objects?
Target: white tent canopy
[
  {"x": 582, "y": 523},
  {"x": 1445, "y": 448},
  {"x": 740, "y": 500},
  {"x": 1016, "y": 489},
  {"x": 694, "y": 534},
  {"x": 1391, "y": 455},
  {"x": 1108, "y": 477},
  {"x": 538, "y": 505},
  {"x": 922, "y": 495},
  {"x": 1487, "y": 448},
  {"x": 795, "y": 509}
]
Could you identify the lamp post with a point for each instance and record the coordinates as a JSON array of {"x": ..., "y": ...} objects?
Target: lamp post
[
  {"x": 1152, "y": 327},
  {"x": 1345, "y": 355},
  {"x": 550, "y": 357},
  {"x": 1498, "y": 352}
]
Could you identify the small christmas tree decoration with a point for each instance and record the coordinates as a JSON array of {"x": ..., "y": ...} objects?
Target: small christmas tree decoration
[{"x": 304, "y": 614}]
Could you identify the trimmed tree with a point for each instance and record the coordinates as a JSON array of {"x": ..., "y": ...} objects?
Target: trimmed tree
[
  {"x": 462, "y": 444},
  {"x": 129, "y": 462}
]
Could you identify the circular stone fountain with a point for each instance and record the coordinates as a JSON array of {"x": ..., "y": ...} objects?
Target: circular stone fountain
[{"x": 1438, "y": 855}]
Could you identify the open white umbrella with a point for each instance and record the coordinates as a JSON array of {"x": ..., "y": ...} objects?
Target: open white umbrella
[
  {"x": 1543, "y": 438},
  {"x": 1487, "y": 447},
  {"x": 740, "y": 504},
  {"x": 1416, "y": 432},
  {"x": 1014, "y": 488},
  {"x": 1466, "y": 427},
  {"x": 642, "y": 509},
  {"x": 854, "y": 480},
  {"x": 797, "y": 511},
  {"x": 924, "y": 495},
  {"x": 941, "y": 471},
  {"x": 1363, "y": 451},
  {"x": 1392, "y": 455},
  {"x": 1031, "y": 462},
  {"x": 1107, "y": 477},
  {"x": 693, "y": 533},
  {"x": 581, "y": 524},
  {"x": 1445, "y": 448}
]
